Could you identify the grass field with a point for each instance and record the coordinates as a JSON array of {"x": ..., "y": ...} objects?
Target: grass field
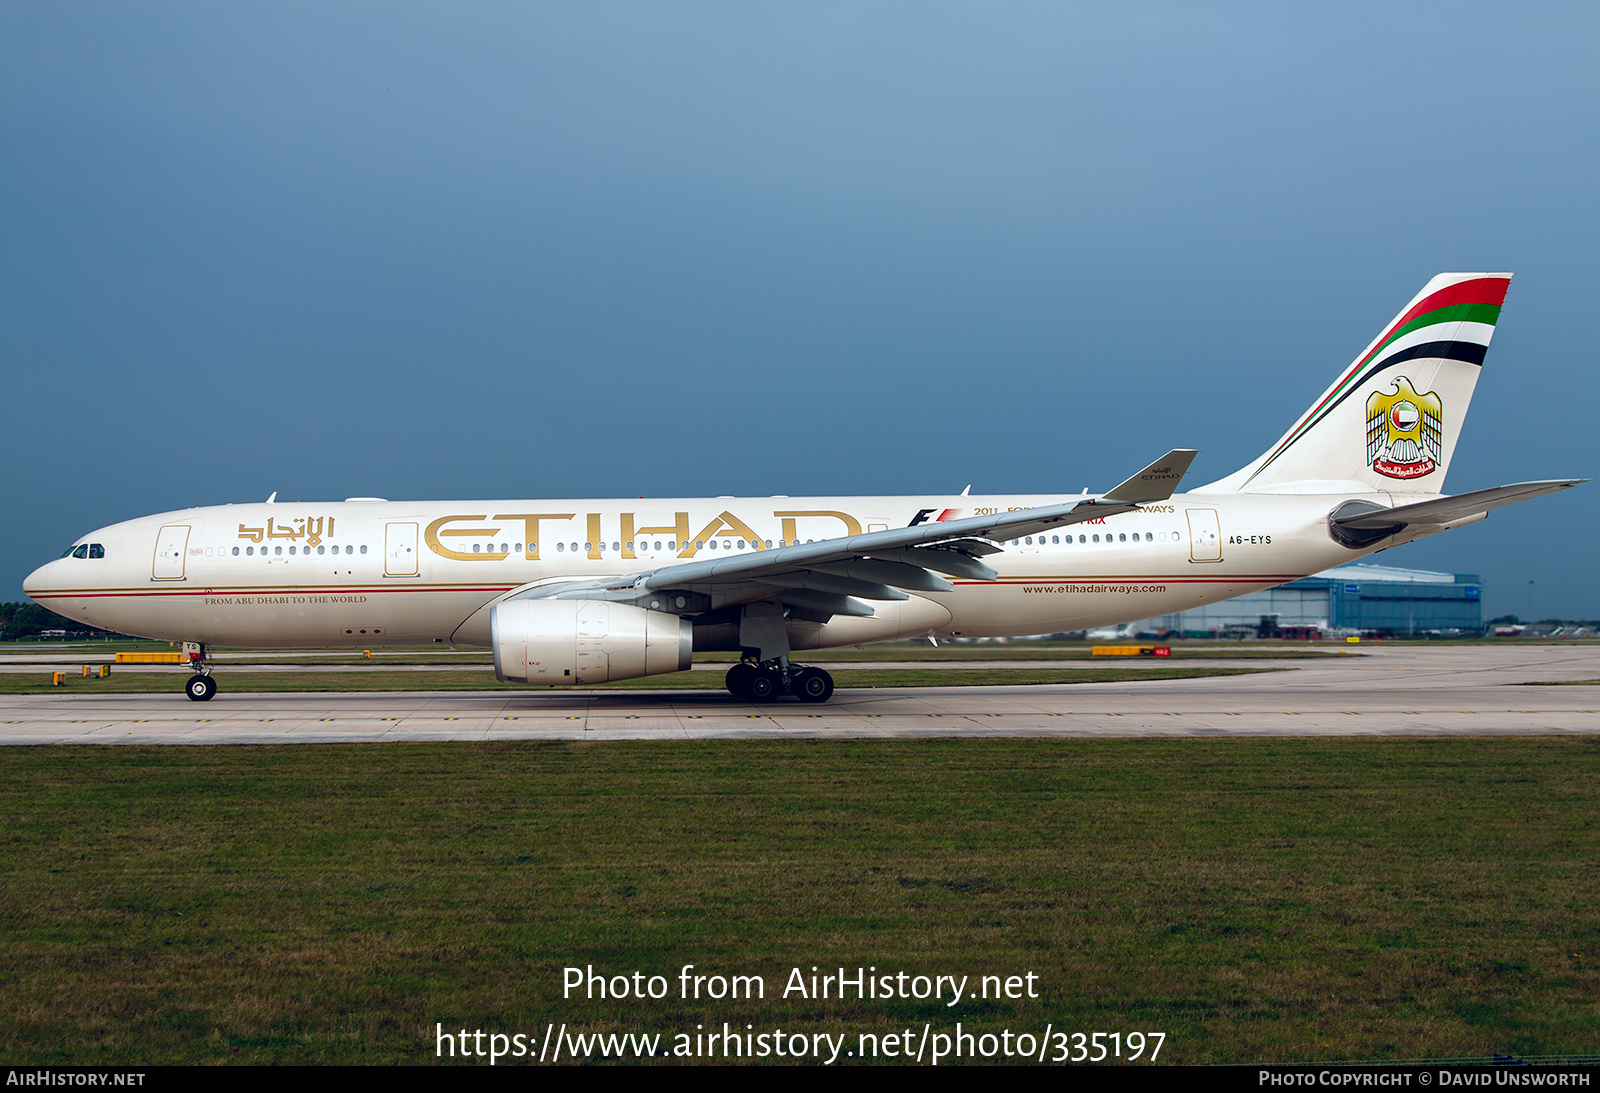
[{"x": 1256, "y": 900}]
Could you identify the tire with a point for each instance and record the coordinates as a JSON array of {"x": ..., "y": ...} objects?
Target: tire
[
  {"x": 814, "y": 685},
  {"x": 200, "y": 688},
  {"x": 764, "y": 686},
  {"x": 738, "y": 679}
]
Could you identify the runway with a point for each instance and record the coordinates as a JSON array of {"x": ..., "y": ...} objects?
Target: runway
[{"x": 1406, "y": 690}]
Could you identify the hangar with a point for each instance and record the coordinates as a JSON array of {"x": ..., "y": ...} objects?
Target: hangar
[{"x": 1357, "y": 598}]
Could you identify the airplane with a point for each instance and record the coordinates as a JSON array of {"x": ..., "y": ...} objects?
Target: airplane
[{"x": 574, "y": 593}]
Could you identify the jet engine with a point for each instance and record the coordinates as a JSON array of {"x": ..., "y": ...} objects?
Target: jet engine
[{"x": 566, "y": 642}]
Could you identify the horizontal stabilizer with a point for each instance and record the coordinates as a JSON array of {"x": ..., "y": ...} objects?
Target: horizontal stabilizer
[
  {"x": 1447, "y": 510},
  {"x": 1157, "y": 482}
]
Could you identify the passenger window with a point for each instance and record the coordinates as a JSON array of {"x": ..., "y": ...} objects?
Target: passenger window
[
  {"x": 630, "y": 544},
  {"x": 291, "y": 549},
  {"x": 1123, "y": 538},
  {"x": 561, "y": 546},
  {"x": 249, "y": 550},
  {"x": 279, "y": 549},
  {"x": 321, "y": 550},
  {"x": 363, "y": 548},
  {"x": 588, "y": 546},
  {"x": 1097, "y": 538},
  {"x": 235, "y": 552}
]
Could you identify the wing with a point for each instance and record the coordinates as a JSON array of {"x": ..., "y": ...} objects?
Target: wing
[{"x": 835, "y": 576}]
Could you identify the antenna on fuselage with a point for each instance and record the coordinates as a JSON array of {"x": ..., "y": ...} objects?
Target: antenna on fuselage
[
  {"x": 273, "y": 497},
  {"x": 967, "y": 490}
]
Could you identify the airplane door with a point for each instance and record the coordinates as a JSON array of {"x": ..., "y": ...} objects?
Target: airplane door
[
  {"x": 1205, "y": 535},
  {"x": 172, "y": 543},
  {"x": 400, "y": 550}
]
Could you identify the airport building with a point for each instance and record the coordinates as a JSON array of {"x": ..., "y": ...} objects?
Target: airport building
[{"x": 1349, "y": 599}]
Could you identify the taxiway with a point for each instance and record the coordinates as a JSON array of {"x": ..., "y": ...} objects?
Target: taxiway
[{"x": 1394, "y": 689}]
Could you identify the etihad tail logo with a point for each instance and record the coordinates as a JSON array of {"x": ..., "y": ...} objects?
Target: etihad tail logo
[{"x": 1405, "y": 436}]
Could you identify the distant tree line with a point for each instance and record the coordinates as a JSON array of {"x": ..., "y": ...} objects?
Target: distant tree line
[{"x": 28, "y": 620}]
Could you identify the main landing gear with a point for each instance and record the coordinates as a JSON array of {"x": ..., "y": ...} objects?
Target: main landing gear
[
  {"x": 201, "y": 686},
  {"x": 764, "y": 672},
  {"x": 767, "y": 681}
]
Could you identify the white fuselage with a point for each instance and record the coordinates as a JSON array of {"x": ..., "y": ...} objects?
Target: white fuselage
[{"x": 384, "y": 573}]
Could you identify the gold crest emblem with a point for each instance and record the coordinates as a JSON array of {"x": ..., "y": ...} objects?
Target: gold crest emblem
[{"x": 1405, "y": 435}]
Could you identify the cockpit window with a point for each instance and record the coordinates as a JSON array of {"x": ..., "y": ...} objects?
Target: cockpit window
[
  {"x": 97, "y": 550},
  {"x": 81, "y": 551}
]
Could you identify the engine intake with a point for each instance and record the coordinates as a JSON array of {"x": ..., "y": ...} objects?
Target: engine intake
[{"x": 566, "y": 642}]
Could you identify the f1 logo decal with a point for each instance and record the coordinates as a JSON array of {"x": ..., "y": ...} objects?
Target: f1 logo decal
[{"x": 921, "y": 517}]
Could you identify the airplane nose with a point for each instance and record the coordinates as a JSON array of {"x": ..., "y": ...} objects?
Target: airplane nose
[{"x": 38, "y": 580}]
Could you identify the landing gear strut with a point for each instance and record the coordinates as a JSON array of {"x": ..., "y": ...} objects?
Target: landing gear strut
[
  {"x": 764, "y": 672},
  {"x": 770, "y": 680},
  {"x": 201, "y": 686}
]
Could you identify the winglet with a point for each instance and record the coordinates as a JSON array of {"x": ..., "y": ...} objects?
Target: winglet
[{"x": 1157, "y": 481}]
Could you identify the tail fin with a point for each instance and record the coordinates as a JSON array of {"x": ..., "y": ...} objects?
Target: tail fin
[{"x": 1390, "y": 422}]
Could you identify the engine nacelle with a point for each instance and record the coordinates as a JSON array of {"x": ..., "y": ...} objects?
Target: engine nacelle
[{"x": 566, "y": 642}]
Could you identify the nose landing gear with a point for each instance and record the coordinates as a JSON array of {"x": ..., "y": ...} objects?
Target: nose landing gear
[{"x": 201, "y": 686}]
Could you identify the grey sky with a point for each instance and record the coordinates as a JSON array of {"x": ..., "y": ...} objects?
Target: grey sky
[{"x": 521, "y": 250}]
